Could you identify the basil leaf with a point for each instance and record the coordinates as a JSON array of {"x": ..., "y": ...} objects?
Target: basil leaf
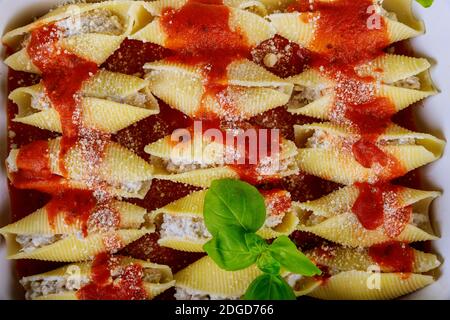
[
  {"x": 267, "y": 264},
  {"x": 229, "y": 250},
  {"x": 233, "y": 203},
  {"x": 425, "y": 3},
  {"x": 269, "y": 287},
  {"x": 255, "y": 243},
  {"x": 285, "y": 252}
]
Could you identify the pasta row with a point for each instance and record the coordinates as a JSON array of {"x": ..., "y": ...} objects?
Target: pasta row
[
  {"x": 336, "y": 153},
  {"x": 121, "y": 171},
  {"x": 391, "y": 213},
  {"x": 75, "y": 226},
  {"x": 199, "y": 159},
  {"x": 246, "y": 90},
  {"x": 204, "y": 280},
  {"x": 315, "y": 94}
]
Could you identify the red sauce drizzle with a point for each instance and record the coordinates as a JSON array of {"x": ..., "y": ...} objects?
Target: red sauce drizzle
[
  {"x": 394, "y": 256},
  {"x": 377, "y": 205},
  {"x": 128, "y": 286},
  {"x": 76, "y": 205},
  {"x": 63, "y": 74},
  {"x": 207, "y": 42},
  {"x": 346, "y": 37},
  {"x": 35, "y": 159},
  {"x": 342, "y": 42},
  {"x": 34, "y": 172},
  {"x": 278, "y": 200}
]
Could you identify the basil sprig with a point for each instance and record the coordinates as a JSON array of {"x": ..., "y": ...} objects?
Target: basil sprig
[
  {"x": 425, "y": 3},
  {"x": 234, "y": 211}
]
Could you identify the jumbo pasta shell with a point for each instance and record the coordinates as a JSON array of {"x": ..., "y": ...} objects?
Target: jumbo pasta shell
[
  {"x": 301, "y": 28},
  {"x": 84, "y": 270},
  {"x": 131, "y": 13},
  {"x": 189, "y": 97},
  {"x": 130, "y": 216},
  {"x": 255, "y": 28},
  {"x": 338, "y": 224},
  {"x": 345, "y": 229},
  {"x": 322, "y": 107},
  {"x": 353, "y": 285},
  {"x": 206, "y": 277},
  {"x": 199, "y": 178},
  {"x": 323, "y": 162},
  {"x": 348, "y": 259},
  {"x": 73, "y": 248}
]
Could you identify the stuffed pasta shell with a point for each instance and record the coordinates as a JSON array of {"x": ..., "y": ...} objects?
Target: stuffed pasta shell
[
  {"x": 75, "y": 226},
  {"x": 106, "y": 278},
  {"x": 341, "y": 154},
  {"x": 363, "y": 215},
  {"x": 198, "y": 159},
  {"x": 389, "y": 257},
  {"x": 109, "y": 102},
  {"x": 307, "y": 28},
  {"x": 319, "y": 95},
  {"x": 244, "y": 90},
  {"x": 43, "y": 166},
  {"x": 91, "y": 31},
  {"x": 182, "y": 226},
  {"x": 204, "y": 280}
]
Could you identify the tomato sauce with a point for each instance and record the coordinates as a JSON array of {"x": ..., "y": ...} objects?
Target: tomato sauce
[
  {"x": 207, "y": 42},
  {"x": 34, "y": 172},
  {"x": 244, "y": 152},
  {"x": 76, "y": 206},
  {"x": 377, "y": 205},
  {"x": 394, "y": 256},
  {"x": 279, "y": 201},
  {"x": 127, "y": 286}
]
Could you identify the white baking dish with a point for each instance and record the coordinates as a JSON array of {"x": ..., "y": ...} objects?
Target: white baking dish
[{"x": 433, "y": 118}]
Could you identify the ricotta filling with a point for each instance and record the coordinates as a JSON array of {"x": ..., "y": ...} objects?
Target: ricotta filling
[
  {"x": 31, "y": 242},
  {"x": 186, "y": 227},
  {"x": 194, "y": 228},
  {"x": 94, "y": 21},
  {"x": 131, "y": 186},
  {"x": 191, "y": 294},
  {"x": 321, "y": 139},
  {"x": 35, "y": 288},
  {"x": 11, "y": 161},
  {"x": 40, "y": 102},
  {"x": 412, "y": 82},
  {"x": 303, "y": 96},
  {"x": 138, "y": 99},
  {"x": 266, "y": 167},
  {"x": 39, "y": 287}
]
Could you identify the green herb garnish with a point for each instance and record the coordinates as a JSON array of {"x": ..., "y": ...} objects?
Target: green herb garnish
[
  {"x": 425, "y": 3},
  {"x": 234, "y": 211}
]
